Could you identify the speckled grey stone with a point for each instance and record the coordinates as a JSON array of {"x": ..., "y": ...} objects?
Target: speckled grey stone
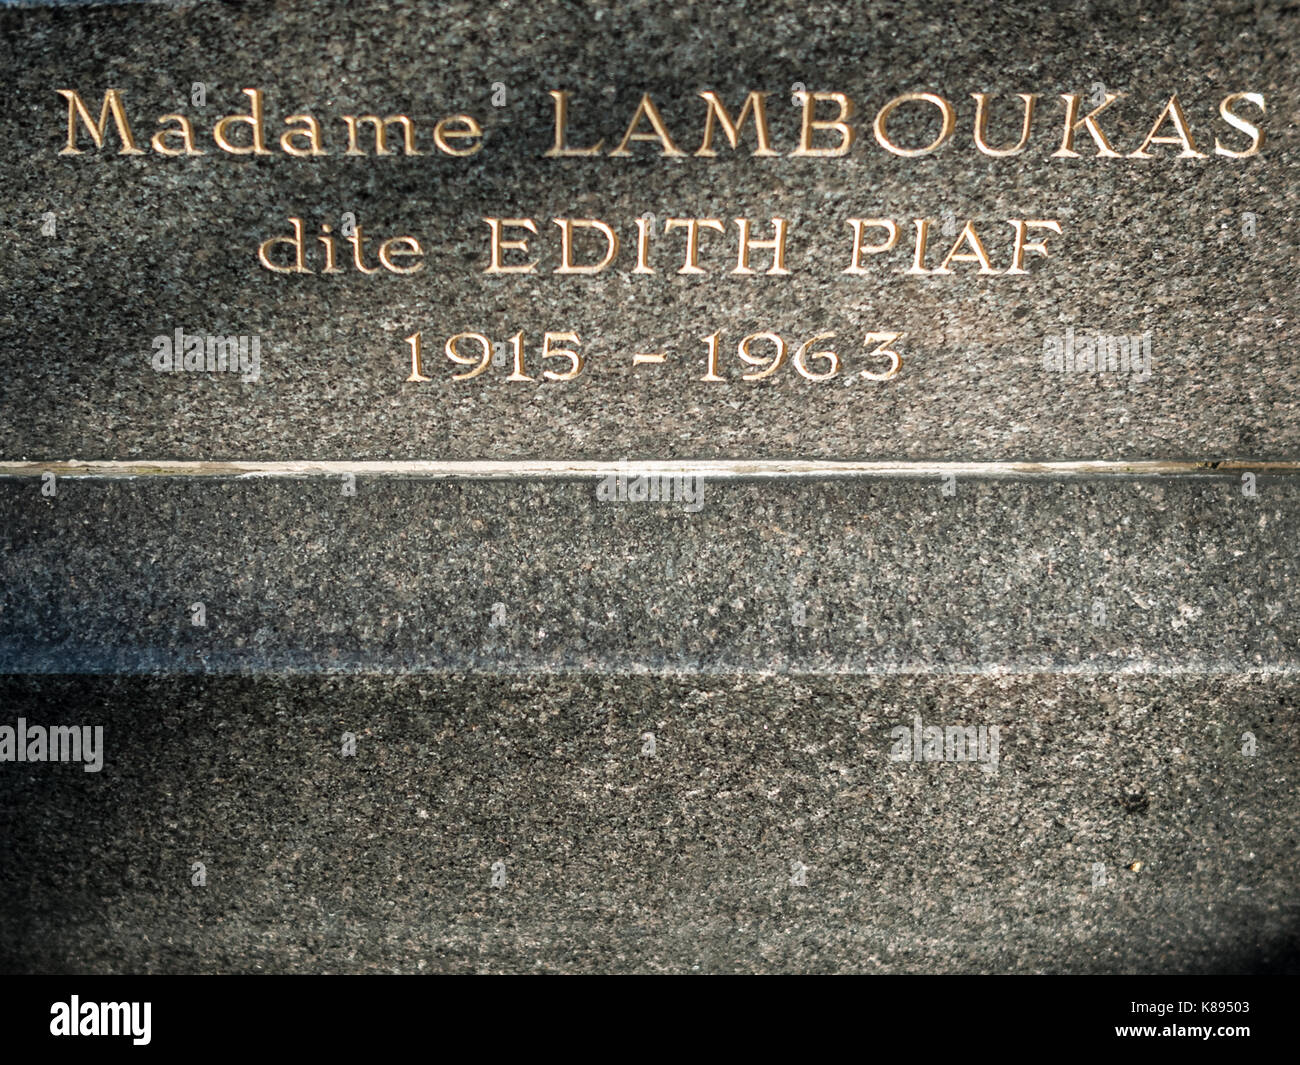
[
  {"x": 615, "y": 861},
  {"x": 146, "y": 245},
  {"x": 1122, "y": 733},
  {"x": 502, "y": 650},
  {"x": 883, "y": 575}
]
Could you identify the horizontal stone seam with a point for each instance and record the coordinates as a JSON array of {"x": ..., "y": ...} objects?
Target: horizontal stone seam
[{"x": 578, "y": 469}]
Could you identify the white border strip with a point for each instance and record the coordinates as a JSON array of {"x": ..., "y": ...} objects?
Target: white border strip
[{"x": 717, "y": 469}]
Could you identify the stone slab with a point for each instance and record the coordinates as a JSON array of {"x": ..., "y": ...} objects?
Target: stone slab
[
  {"x": 861, "y": 575},
  {"x": 600, "y": 736},
  {"x": 1122, "y": 831},
  {"x": 146, "y": 245}
]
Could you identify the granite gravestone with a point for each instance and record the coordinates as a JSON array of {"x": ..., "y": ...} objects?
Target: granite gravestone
[{"x": 648, "y": 487}]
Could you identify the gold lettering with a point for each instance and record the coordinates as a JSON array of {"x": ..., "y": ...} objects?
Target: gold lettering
[
  {"x": 1173, "y": 112},
  {"x": 810, "y": 124},
  {"x": 731, "y": 130},
  {"x": 643, "y": 246},
  {"x": 1237, "y": 122},
  {"x": 859, "y": 224},
  {"x": 561, "y": 148},
  {"x": 775, "y": 363},
  {"x": 549, "y": 352},
  {"x": 922, "y": 242},
  {"x": 451, "y": 349},
  {"x": 1073, "y": 122},
  {"x": 647, "y": 110},
  {"x": 184, "y": 130},
  {"x": 776, "y": 244},
  {"x": 327, "y": 242},
  {"x": 945, "y": 110},
  {"x": 380, "y": 128},
  {"x": 567, "y": 225},
  {"x": 1020, "y": 247},
  {"x": 495, "y": 266},
  {"x": 388, "y": 252},
  {"x": 446, "y": 130},
  {"x": 253, "y": 120},
  {"x": 895, "y": 359},
  {"x": 416, "y": 342},
  {"x": 112, "y": 106},
  {"x": 982, "y": 120},
  {"x": 977, "y": 254},
  {"x": 310, "y": 131},
  {"x": 299, "y": 266},
  {"x": 357, "y": 241},
  {"x": 692, "y": 227}
]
